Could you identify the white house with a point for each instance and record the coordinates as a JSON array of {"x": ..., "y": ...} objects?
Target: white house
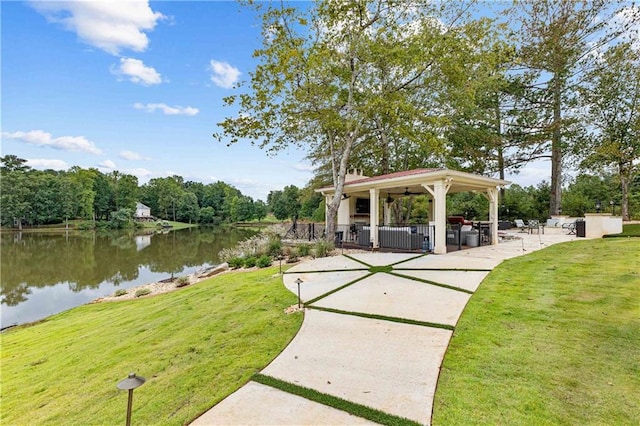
[{"x": 142, "y": 211}]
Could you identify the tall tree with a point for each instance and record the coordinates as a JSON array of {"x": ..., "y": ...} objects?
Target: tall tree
[
  {"x": 317, "y": 83},
  {"x": 611, "y": 106},
  {"x": 558, "y": 42}
]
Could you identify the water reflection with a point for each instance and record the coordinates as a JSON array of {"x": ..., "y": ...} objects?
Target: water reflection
[{"x": 44, "y": 273}]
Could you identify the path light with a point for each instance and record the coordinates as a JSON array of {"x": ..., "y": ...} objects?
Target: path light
[
  {"x": 280, "y": 260},
  {"x": 298, "y": 281},
  {"x": 130, "y": 383}
]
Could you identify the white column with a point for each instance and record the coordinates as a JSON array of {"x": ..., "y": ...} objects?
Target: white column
[
  {"x": 440, "y": 216},
  {"x": 493, "y": 196},
  {"x": 374, "y": 195}
]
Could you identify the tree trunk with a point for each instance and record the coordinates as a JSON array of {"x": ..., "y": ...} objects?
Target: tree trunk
[
  {"x": 625, "y": 172},
  {"x": 556, "y": 149}
]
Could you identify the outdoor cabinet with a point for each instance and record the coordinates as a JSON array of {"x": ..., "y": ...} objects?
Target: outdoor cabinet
[{"x": 581, "y": 228}]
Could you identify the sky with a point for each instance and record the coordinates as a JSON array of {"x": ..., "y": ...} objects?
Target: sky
[{"x": 138, "y": 87}]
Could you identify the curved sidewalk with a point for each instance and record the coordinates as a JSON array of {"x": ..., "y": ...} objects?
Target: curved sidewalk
[{"x": 375, "y": 332}]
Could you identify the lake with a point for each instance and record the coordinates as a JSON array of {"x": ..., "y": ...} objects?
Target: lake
[{"x": 45, "y": 273}]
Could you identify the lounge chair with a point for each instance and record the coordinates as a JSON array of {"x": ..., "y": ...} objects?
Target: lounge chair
[{"x": 521, "y": 225}]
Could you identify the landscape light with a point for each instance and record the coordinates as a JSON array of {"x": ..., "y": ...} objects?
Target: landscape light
[
  {"x": 298, "y": 281},
  {"x": 130, "y": 383}
]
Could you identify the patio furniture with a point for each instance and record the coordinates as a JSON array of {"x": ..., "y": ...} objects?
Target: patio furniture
[
  {"x": 570, "y": 226},
  {"x": 520, "y": 225},
  {"x": 535, "y": 225}
]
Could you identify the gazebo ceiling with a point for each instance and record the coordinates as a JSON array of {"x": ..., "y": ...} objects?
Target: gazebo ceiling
[{"x": 411, "y": 182}]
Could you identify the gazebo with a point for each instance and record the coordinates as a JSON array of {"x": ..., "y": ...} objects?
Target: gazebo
[{"x": 361, "y": 200}]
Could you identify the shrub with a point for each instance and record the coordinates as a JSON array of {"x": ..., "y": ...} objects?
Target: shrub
[
  {"x": 120, "y": 292},
  {"x": 143, "y": 292},
  {"x": 235, "y": 262},
  {"x": 304, "y": 250},
  {"x": 274, "y": 248},
  {"x": 264, "y": 261},
  {"x": 323, "y": 248},
  {"x": 292, "y": 259},
  {"x": 250, "y": 262},
  {"x": 85, "y": 226},
  {"x": 182, "y": 281}
]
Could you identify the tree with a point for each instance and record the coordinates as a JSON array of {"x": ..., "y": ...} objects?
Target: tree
[
  {"x": 611, "y": 100},
  {"x": 319, "y": 85},
  {"x": 17, "y": 191},
  {"x": 187, "y": 209},
  {"x": 559, "y": 40},
  {"x": 260, "y": 210}
]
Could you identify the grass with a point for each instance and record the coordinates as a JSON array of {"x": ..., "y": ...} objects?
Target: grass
[
  {"x": 194, "y": 346},
  {"x": 549, "y": 338},
  {"x": 335, "y": 402}
]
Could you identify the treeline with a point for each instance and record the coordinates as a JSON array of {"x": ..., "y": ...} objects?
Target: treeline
[{"x": 40, "y": 197}]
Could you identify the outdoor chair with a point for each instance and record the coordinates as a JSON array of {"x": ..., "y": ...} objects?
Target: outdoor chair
[
  {"x": 570, "y": 226},
  {"x": 521, "y": 225}
]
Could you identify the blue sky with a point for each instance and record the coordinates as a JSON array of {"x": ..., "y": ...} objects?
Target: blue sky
[
  {"x": 135, "y": 89},
  {"x": 138, "y": 87}
]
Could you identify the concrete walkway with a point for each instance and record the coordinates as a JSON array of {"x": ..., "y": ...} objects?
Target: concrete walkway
[{"x": 375, "y": 339}]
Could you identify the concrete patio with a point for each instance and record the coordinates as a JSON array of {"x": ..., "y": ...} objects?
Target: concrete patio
[{"x": 381, "y": 362}]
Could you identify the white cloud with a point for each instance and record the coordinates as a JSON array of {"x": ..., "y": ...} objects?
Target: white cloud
[
  {"x": 108, "y": 25},
  {"x": 43, "y": 164},
  {"x": 132, "y": 156},
  {"x": 63, "y": 143},
  {"x": 141, "y": 173},
  {"x": 107, "y": 164},
  {"x": 137, "y": 72},
  {"x": 224, "y": 74},
  {"x": 166, "y": 109}
]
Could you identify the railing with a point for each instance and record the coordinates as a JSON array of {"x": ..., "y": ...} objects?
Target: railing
[{"x": 405, "y": 238}]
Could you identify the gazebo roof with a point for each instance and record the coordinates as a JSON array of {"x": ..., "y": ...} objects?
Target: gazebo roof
[{"x": 411, "y": 181}]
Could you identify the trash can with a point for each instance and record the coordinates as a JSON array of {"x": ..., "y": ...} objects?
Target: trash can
[
  {"x": 339, "y": 237},
  {"x": 581, "y": 228},
  {"x": 473, "y": 238}
]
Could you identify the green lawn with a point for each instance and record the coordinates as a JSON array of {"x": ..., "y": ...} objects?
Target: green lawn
[
  {"x": 549, "y": 338},
  {"x": 194, "y": 346}
]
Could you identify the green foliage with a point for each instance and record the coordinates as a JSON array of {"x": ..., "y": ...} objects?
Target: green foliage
[
  {"x": 250, "y": 261},
  {"x": 236, "y": 262},
  {"x": 142, "y": 292},
  {"x": 264, "y": 261},
  {"x": 120, "y": 292},
  {"x": 322, "y": 248},
  {"x": 304, "y": 250},
  {"x": 274, "y": 248},
  {"x": 182, "y": 281},
  {"x": 123, "y": 218}
]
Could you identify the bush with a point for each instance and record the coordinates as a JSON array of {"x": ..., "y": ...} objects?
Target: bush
[
  {"x": 274, "y": 248},
  {"x": 250, "y": 262},
  {"x": 292, "y": 259},
  {"x": 304, "y": 250},
  {"x": 264, "y": 261},
  {"x": 143, "y": 292},
  {"x": 182, "y": 281},
  {"x": 120, "y": 292},
  {"x": 85, "y": 226},
  {"x": 323, "y": 248},
  {"x": 235, "y": 262}
]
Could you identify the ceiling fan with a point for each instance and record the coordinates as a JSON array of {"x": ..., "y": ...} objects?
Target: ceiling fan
[{"x": 406, "y": 192}]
